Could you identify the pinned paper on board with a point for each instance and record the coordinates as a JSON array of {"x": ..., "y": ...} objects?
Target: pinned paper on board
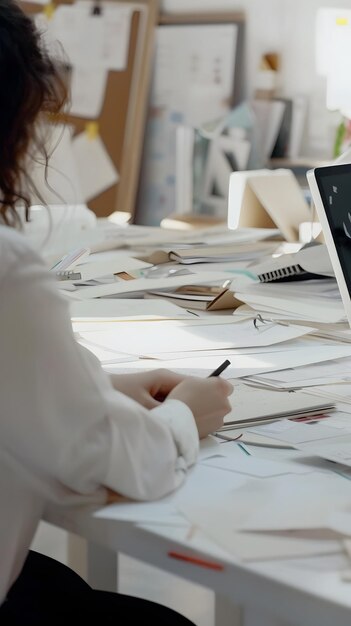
[
  {"x": 96, "y": 171},
  {"x": 107, "y": 56},
  {"x": 88, "y": 86},
  {"x": 96, "y": 41},
  {"x": 117, "y": 30}
]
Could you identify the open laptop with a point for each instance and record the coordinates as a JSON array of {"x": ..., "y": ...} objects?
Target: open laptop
[{"x": 330, "y": 188}]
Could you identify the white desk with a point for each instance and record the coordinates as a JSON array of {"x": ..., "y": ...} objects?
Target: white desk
[{"x": 268, "y": 593}]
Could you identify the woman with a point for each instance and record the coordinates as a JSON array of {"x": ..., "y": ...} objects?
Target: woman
[{"x": 69, "y": 433}]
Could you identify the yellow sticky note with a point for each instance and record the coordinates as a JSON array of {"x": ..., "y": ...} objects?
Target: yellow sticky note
[
  {"x": 92, "y": 130},
  {"x": 342, "y": 21},
  {"x": 49, "y": 10}
]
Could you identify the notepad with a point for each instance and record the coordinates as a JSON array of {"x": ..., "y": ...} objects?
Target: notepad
[{"x": 253, "y": 406}]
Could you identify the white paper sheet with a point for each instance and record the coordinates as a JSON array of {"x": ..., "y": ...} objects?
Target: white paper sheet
[
  {"x": 105, "y": 356},
  {"x": 254, "y": 466},
  {"x": 337, "y": 450},
  {"x": 328, "y": 370},
  {"x": 319, "y": 309},
  {"x": 298, "y": 435},
  {"x": 216, "y": 521},
  {"x": 88, "y": 86},
  {"x": 96, "y": 171},
  {"x": 250, "y": 403},
  {"x": 190, "y": 57},
  {"x": 144, "y": 284},
  {"x": 340, "y": 392},
  {"x": 290, "y": 502},
  {"x": 201, "y": 480},
  {"x": 100, "y": 270},
  {"x": 90, "y": 311},
  {"x": 96, "y": 41},
  {"x": 199, "y": 365},
  {"x": 174, "y": 338},
  {"x": 298, "y": 344}
]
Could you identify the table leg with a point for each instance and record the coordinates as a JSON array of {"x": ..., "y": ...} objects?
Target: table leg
[
  {"x": 102, "y": 567},
  {"x": 255, "y": 617},
  {"x": 226, "y": 613}
]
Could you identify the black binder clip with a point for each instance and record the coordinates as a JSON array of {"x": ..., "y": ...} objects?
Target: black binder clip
[{"x": 96, "y": 10}]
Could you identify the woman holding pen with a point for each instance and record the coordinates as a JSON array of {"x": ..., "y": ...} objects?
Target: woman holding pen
[{"x": 69, "y": 433}]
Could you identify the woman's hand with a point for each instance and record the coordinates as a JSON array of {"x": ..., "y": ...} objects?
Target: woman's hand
[
  {"x": 147, "y": 388},
  {"x": 113, "y": 497},
  {"x": 208, "y": 400}
]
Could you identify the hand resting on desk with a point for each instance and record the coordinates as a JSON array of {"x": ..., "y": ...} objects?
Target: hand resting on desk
[
  {"x": 115, "y": 498},
  {"x": 207, "y": 398}
]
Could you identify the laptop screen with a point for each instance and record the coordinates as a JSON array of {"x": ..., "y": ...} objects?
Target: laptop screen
[{"x": 334, "y": 185}]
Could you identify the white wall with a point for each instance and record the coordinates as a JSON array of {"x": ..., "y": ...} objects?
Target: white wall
[{"x": 286, "y": 27}]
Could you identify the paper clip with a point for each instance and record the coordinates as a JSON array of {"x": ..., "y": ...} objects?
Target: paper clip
[{"x": 262, "y": 324}]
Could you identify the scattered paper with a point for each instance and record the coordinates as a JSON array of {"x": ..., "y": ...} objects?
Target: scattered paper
[
  {"x": 254, "y": 466},
  {"x": 327, "y": 369},
  {"x": 197, "y": 335},
  {"x": 290, "y": 502},
  {"x": 105, "y": 356},
  {"x": 297, "y": 434},
  {"x": 165, "y": 510},
  {"x": 337, "y": 450},
  {"x": 216, "y": 521}
]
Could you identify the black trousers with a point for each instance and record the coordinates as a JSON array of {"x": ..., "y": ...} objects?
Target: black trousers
[{"x": 48, "y": 592}]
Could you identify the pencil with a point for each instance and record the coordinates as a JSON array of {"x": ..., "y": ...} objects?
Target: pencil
[{"x": 220, "y": 369}]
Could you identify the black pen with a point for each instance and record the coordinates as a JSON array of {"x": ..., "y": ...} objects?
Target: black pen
[{"x": 220, "y": 369}]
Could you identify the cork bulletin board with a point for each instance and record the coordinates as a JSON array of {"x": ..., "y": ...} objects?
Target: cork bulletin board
[
  {"x": 123, "y": 113},
  {"x": 198, "y": 70}
]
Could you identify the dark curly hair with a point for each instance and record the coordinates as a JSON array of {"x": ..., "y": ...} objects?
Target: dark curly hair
[{"x": 32, "y": 84}]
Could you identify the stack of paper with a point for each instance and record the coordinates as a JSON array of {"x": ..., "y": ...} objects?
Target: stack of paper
[
  {"x": 309, "y": 301},
  {"x": 252, "y": 406},
  {"x": 220, "y": 253},
  {"x": 329, "y": 371}
]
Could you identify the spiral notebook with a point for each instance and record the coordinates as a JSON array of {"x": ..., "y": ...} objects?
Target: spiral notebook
[{"x": 311, "y": 262}]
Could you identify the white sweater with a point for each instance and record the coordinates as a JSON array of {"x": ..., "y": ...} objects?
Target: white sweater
[{"x": 65, "y": 433}]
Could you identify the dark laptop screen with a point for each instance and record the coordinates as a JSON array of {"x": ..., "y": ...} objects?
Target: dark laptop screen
[{"x": 334, "y": 184}]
